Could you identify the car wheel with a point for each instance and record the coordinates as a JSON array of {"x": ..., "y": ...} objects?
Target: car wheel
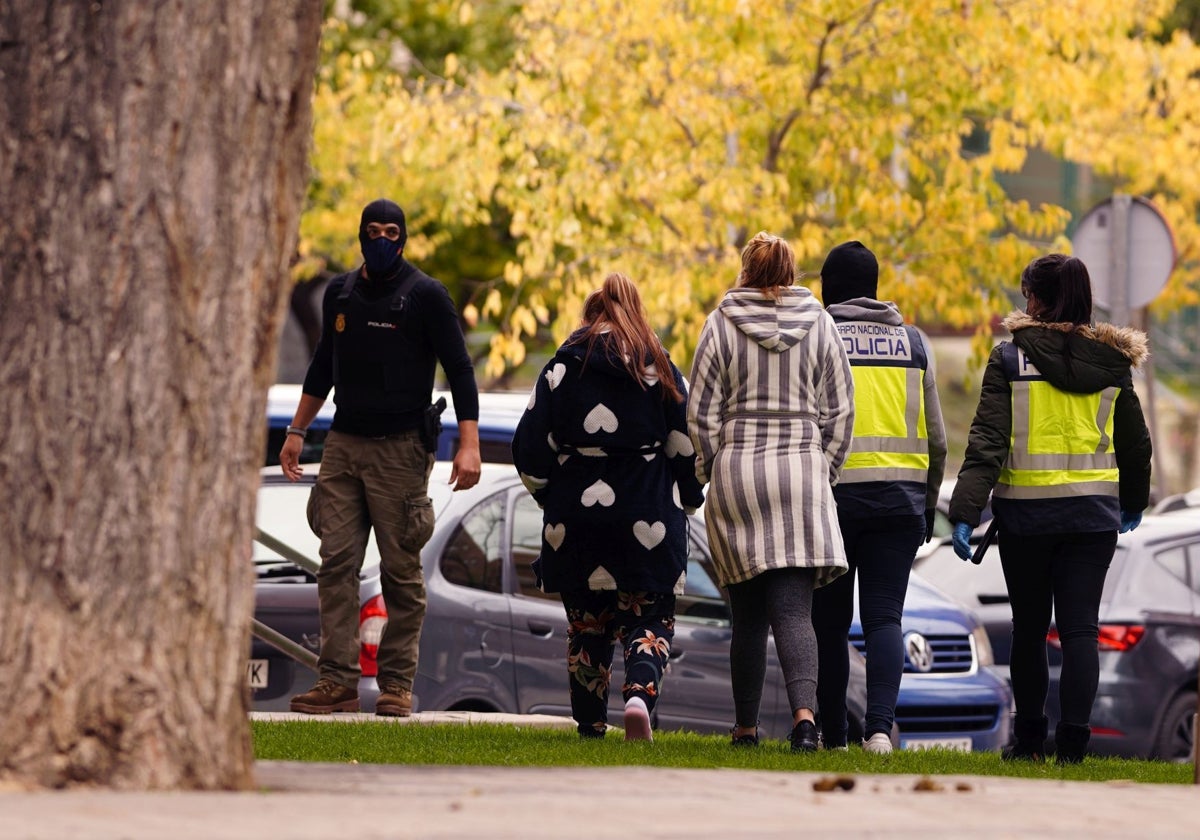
[
  {"x": 1177, "y": 730},
  {"x": 472, "y": 706}
]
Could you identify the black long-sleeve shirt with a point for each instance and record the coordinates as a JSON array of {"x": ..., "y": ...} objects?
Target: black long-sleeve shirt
[{"x": 387, "y": 359}]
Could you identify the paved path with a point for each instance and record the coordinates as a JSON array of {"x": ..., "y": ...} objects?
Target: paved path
[{"x": 298, "y": 801}]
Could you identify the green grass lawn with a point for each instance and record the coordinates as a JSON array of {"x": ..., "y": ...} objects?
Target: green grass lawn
[{"x": 515, "y": 746}]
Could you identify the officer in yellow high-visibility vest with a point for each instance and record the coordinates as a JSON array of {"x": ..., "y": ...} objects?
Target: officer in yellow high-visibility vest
[
  {"x": 886, "y": 496},
  {"x": 1060, "y": 444}
]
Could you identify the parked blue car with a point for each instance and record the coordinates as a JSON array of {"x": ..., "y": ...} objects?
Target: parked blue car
[
  {"x": 499, "y": 413},
  {"x": 951, "y": 697}
]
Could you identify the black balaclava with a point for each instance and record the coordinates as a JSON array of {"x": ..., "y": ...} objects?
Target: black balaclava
[
  {"x": 382, "y": 255},
  {"x": 850, "y": 271}
]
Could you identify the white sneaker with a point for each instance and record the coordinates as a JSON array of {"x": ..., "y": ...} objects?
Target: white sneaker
[
  {"x": 637, "y": 721},
  {"x": 878, "y": 743}
]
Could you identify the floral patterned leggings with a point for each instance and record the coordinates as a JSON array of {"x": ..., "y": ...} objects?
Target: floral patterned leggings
[{"x": 644, "y": 623}]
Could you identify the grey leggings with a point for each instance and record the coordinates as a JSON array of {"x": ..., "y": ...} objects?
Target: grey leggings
[{"x": 779, "y": 600}]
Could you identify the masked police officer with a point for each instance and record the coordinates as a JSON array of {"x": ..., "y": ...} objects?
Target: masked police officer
[
  {"x": 385, "y": 327},
  {"x": 886, "y": 496}
]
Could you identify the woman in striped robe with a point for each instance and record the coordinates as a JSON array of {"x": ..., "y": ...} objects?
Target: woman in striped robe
[{"x": 770, "y": 414}]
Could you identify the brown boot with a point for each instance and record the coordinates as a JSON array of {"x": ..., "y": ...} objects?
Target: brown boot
[
  {"x": 325, "y": 697},
  {"x": 394, "y": 701}
]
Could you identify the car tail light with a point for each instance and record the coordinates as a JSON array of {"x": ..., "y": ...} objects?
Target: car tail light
[
  {"x": 1115, "y": 637},
  {"x": 372, "y": 618}
]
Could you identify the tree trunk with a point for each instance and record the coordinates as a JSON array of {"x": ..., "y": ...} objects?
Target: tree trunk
[{"x": 152, "y": 169}]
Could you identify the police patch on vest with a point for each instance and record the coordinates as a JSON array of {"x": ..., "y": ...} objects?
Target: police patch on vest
[
  {"x": 1025, "y": 368},
  {"x": 339, "y": 323},
  {"x": 868, "y": 340}
]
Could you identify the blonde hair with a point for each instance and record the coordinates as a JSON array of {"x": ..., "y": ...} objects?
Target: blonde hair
[
  {"x": 616, "y": 308},
  {"x": 768, "y": 264}
]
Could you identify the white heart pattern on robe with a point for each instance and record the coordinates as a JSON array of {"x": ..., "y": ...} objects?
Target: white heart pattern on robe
[
  {"x": 600, "y": 417},
  {"x": 599, "y": 493},
  {"x": 679, "y": 444},
  {"x": 555, "y": 375},
  {"x": 601, "y": 579},
  {"x": 533, "y": 483},
  {"x": 532, "y": 399},
  {"x": 649, "y": 535},
  {"x": 555, "y": 534}
]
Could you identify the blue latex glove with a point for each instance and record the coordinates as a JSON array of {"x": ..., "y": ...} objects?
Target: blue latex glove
[
  {"x": 1130, "y": 519},
  {"x": 962, "y": 540}
]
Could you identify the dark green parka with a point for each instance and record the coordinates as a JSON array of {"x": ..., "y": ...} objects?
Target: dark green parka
[{"x": 1081, "y": 360}]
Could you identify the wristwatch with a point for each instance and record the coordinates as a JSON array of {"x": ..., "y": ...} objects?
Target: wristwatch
[{"x": 296, "y": 430}]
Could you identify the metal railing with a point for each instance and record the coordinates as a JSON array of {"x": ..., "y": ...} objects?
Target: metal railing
[{"x": 273, "y": 637}]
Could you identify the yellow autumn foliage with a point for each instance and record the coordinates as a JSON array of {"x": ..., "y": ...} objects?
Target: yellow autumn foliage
[{"x": 655, "y": 138}]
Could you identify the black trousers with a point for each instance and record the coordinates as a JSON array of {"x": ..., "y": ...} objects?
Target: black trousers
[
  {"x": 880, "y": 552},
  {"x": 1063, "y": 572}
]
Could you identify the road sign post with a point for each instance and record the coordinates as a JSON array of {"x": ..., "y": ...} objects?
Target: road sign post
[
  {"x": 1129, "y": 251},
  {"x": 1118, "y": 259}
]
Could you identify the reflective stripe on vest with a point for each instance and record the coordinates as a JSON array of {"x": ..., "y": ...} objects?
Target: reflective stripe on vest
[
  {"x": 890, "y": 439},
  {"x": 1061, "y": 443}
]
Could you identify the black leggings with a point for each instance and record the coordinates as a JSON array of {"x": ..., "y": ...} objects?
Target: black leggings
[
  {"x": 1065, "y": 572},
  {"x": 880, "y": 552},
  {"x": 779, "y": 600}
]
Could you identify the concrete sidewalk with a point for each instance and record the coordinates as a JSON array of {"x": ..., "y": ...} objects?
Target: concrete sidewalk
[{"x": 298, "y": 801}]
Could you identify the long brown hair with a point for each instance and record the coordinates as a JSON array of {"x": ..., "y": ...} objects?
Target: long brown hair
[
  {"x": 616, "y": 308},
  {"x": 768, "y": 264}
]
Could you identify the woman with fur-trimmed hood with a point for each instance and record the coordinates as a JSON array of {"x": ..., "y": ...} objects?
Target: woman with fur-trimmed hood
[{"x": 1060, "y": 443}]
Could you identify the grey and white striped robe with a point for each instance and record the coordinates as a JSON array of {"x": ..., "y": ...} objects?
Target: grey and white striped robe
[{"x": 771, "y": 411}]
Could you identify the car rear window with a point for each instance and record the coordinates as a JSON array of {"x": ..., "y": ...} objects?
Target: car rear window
[{"x": 282, "y": 514}]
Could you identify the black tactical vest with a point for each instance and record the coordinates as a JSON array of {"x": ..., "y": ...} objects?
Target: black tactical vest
[{"x": 371, "y": 340}]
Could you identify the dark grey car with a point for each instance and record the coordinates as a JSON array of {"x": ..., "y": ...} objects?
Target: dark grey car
[
  {"x": 1149, "y": 634},
  {"x": 492, "y": 641}
]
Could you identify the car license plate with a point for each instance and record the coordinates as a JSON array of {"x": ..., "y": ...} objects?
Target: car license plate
[
  {"x": 256, "y": 673},
  {"x": 959, "y": 744}
]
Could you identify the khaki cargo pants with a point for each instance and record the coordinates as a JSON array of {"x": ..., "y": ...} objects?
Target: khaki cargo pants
[{"x": 365, "y": 484}]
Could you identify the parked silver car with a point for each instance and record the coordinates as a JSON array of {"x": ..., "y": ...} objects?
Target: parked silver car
[
  {"x": 1149, "y": 633},
  {"x": 491, "y": 640}
]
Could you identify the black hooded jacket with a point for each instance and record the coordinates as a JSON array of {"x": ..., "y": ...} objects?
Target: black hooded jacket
[{"x": 1081, "y": 360}]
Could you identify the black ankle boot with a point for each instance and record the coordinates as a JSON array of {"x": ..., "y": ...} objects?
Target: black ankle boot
[
  {"x": 1030, "y": 744},
  {"x": 1070, "y": 742}
]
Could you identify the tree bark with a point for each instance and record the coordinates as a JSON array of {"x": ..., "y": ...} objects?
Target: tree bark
[{"x": 152, "y": 168}]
